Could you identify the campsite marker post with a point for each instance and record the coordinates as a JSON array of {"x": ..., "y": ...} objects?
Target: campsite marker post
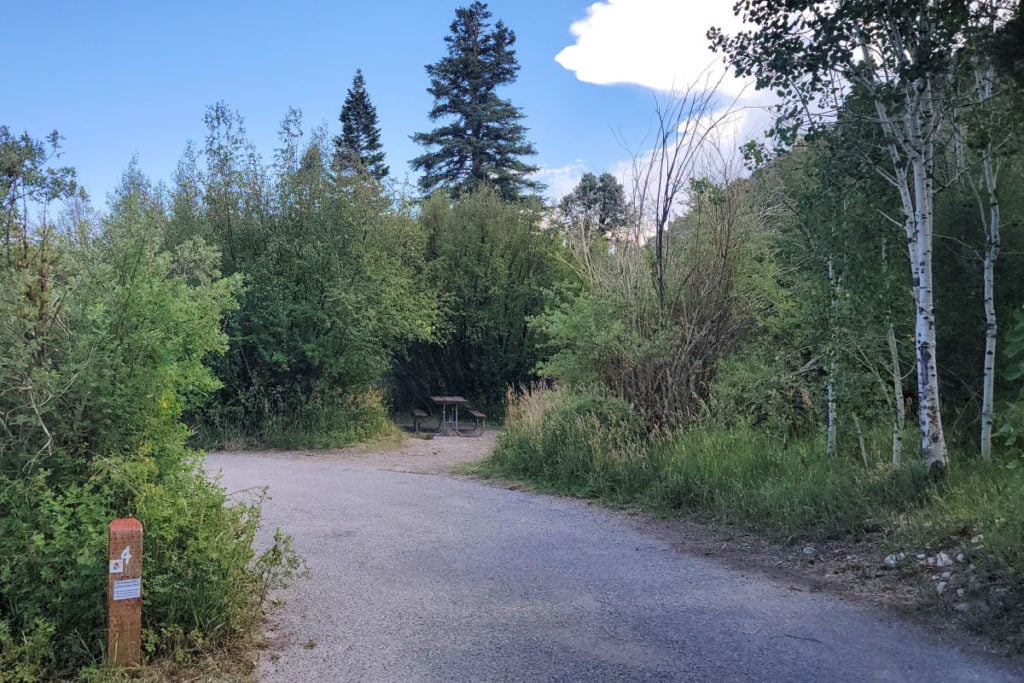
[{"x": 124, "y": 593}]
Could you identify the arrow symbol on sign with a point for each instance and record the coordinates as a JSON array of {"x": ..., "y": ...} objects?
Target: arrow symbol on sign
[{"x": 126, "y": 554}]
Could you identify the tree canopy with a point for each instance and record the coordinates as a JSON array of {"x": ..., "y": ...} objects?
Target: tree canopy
[
  {"x": 482, "y": 140},
  {"x": 358, "y": 148},
  {"x": 597, "y": 203}
]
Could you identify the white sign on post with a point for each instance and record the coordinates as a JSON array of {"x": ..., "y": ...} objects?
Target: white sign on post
[{"x": 127, "y": 589}]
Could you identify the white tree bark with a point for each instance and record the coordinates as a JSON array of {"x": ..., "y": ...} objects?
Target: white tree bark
[
  {"x": 911, "y": 149},
  {"x": 900, "y": 412},
  {"x": 989, "y": 178},
  {"x": 991, "y": 325}
]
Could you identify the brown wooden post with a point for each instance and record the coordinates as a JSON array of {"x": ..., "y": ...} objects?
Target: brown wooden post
[{"x": 124, "y": 593}]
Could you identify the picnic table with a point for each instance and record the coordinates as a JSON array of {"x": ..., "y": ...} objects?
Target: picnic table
[{"x": 449, "y": 413}]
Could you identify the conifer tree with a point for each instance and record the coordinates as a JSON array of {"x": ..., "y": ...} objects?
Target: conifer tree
[
  {"x": 358, "y": 148},
  {"x": 483, "y": 141}
]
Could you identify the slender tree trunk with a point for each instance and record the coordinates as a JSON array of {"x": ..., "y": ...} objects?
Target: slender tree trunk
[
  {"x": 900, "y": 417},
  {"x": 991, "y": 326},
  {"x": 833, "y": 415},
  {"x": 861, "y": 442},
  {"x": 916, "y": 196},
  {"x": 933, "y": 441},
  {"x": 832, "y": 410},
  {"x": 992, "y": 243}
]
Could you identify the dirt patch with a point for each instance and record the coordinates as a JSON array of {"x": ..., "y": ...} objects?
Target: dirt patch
[{"x": 416, "y": 454}]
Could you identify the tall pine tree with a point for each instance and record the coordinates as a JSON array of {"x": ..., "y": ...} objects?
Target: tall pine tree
[
  {"x": 483, "y": 140},
  {"x": 358, "y": 148}
]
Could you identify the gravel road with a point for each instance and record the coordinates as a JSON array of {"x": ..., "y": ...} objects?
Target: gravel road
[{"x": 416, "y": 576}]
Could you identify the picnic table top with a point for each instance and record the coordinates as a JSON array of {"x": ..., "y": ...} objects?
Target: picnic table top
[{"x": 448, "y": 400}]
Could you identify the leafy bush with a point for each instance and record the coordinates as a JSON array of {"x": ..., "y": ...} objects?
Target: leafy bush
[
  {"x": 488, "y": 262},
  {"x": 343, "y": 420},
  {"x": 333, "y": 285},
  {"x": 101, "y": 348}
]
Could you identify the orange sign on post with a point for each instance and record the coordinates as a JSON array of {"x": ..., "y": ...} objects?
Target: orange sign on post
[{"x": 124, "y": 593}]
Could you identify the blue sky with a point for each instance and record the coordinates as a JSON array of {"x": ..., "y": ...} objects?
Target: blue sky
[{"x": 120, "y": 79}]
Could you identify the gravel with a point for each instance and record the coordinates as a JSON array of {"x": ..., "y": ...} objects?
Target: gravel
[{"x": 436, "y": 578}]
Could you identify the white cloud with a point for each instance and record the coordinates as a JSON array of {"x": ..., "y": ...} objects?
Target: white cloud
[
  {"x": 562, "y": 179},
  {"x": 658, "y": 44}
]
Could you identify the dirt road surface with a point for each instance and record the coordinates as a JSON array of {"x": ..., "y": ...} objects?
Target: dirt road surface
[{"x": 416, "y": 575}]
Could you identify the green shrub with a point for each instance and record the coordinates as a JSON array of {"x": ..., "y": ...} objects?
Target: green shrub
[
  {"x": 325, "y": 422},
  {"x": 342, "y": 421},
  {"x": 101, "y": 348}
]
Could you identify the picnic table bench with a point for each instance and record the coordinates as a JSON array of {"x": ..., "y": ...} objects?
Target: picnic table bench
[{"x": 481, "y": 422}]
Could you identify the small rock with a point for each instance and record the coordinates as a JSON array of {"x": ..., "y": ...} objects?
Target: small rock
[
  {"x": 962, "y": 607},
  {"x": 943, "y": 560},
  {"x": 921, "y": 556},
  {"x": 940, "y": 586},
  {"x": 960, "y": 592},
  {"x": 810, "y": 551},
  {"x": 891, "y": 561},
  {"x": 960, "y": 558},
  {"x": 978, "y": 539},
  {"x": 931, "y": 560},
  {"x": 946, "y": 575}
]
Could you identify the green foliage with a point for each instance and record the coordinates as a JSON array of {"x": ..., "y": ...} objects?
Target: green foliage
[
  {"x": 584, "y": 333},
  {"x": 597, "y": 204},
  {"x": 756, "y": 388},
  {"x": 1006, "y": 47},
  {"x": 484, "y": 142},
  {"x": 490, "y": 263},
  {"x": 342, "y": 419},
  {"x": 334, "y": 286},
  {"x": 101, "y": 348},
  {"x": 613, "y": 333},
  {"x": 358, "y": 148},
  {"x": 574, "y": 443},
  {"x": 1011, "y": 420},
  {"x": 1015, "y": 347},
  {"x": 591, "y": 446}
]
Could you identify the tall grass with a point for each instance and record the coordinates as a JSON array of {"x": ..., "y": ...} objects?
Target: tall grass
[{"x": 592, "y": 446}]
